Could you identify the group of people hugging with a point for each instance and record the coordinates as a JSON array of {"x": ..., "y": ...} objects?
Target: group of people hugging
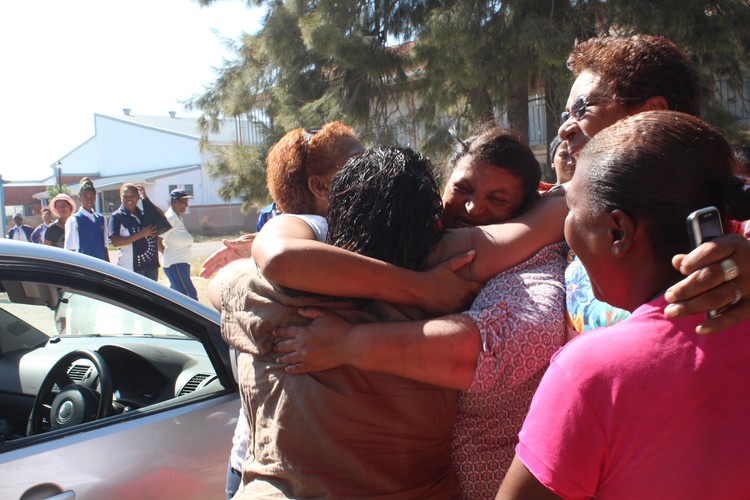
[{"x": 397, "y": 344}]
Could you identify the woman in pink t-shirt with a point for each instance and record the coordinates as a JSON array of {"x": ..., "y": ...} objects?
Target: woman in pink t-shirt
[{"x": 647, "y": 408}]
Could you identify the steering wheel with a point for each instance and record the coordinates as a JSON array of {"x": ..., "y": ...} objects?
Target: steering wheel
[{"x": 76, "y": 402}]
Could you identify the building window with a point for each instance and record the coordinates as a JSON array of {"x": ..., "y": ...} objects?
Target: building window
[
  {"x": 12, "y": 210},
  {"x": 110, "y": 201}
]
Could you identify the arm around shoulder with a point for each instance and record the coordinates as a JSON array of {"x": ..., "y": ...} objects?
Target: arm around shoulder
[
  {"x": 441, "y": 352},
  {"x": 502, "y": 246},
  {"x": 288, "y": 254}
]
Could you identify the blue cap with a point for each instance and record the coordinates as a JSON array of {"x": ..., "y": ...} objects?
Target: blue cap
[{"x": 178, "y": 194}]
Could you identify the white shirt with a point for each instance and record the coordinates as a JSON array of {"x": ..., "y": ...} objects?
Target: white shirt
[
  {"x": 177, "y": 241},
  {"x": 20, "y": 234},
  {"x": 126, "y": 251},
  {"x": 318, "y": 224}
]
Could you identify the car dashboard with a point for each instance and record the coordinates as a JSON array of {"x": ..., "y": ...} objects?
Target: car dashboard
[{"x": 142, "y": 374}]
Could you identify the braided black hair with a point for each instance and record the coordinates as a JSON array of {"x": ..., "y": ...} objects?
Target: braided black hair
[
  {"x": 385, "y": 204},
  {"x": 86, "y": 184}
]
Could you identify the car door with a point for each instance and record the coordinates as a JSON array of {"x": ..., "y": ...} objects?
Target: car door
[{"x": 175, "y": 398}]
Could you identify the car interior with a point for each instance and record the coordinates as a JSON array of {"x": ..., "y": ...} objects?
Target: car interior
[{"x": 70, "y": 357}]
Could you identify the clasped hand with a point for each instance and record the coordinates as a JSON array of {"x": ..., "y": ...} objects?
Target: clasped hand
[{"x": 320, "y": 345}]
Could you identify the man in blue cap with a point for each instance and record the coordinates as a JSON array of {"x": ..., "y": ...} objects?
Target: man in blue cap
[{"x": 176, "y": 244}]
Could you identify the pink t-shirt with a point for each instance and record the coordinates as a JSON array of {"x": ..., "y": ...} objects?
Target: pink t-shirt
[{"x": 644, "y": 409}]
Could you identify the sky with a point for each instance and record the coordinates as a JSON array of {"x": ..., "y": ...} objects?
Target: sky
[{"x": 63, "y": 61}]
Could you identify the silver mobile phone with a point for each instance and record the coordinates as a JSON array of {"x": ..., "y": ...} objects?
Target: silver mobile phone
[{"x": 704, "y": 225}]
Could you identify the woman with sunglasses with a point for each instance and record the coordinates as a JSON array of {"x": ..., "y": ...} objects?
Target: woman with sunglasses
[
  {"x": 617, "y": 77},
  {"x": 631, "y": 410}
]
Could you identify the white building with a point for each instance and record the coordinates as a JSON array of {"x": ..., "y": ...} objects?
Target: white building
[{"x": 160, "y": 152}]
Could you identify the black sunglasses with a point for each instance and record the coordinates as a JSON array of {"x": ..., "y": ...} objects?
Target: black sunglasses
[{"x": 580, "y": 105}]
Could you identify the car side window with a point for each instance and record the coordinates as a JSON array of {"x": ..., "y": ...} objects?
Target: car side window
[
  {"x": 76, "y": 358},
  {"x": 78, "y": 314}
]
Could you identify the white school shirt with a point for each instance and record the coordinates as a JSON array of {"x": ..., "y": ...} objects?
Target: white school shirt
[{"x": 19, "y": 234}]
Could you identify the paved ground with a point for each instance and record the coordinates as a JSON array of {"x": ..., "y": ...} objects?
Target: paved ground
[{"x": 205, "y": 248}]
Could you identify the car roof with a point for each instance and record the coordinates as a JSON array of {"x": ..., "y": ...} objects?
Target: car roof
[{"x": 17, "y": 252}]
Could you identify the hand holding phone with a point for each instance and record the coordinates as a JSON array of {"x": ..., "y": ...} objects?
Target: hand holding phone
[{"x": 704, "y": 225}]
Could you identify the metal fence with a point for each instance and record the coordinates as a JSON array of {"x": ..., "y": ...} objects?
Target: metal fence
[
  {"x": 537, "y": 121},
  {"x": 251, "y": 129},
  {"x": 735, "y": 101}
]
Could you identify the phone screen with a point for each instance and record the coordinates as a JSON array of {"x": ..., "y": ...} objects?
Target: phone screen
[
  {"x": 704, "y": 225},
  {"x": 711, "y": 230}
]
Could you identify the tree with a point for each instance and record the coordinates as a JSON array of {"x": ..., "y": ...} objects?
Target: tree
[
  {"x": 713, "y": 33},
  {"x": 53, "y": 191},
  {"x": 468, "y": 61},
  {"x": 482, "y": 57},
  {"x": 311, "y": 63}
]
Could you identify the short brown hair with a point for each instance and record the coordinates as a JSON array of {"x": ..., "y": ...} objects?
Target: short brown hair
[
  {"x": 640, "y": 66},
  {"x": 299, "y": 155}
]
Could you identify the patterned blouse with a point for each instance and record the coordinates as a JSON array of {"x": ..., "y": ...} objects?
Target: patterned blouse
[
  {"x": 585, "y": 312},
  {"x": 520, "y": 314}
]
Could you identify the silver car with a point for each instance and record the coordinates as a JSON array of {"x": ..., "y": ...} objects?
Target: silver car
[{"x": 111, "y": 385}]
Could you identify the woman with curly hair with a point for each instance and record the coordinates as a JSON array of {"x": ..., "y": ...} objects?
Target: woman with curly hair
[
  {"x": 343, "y": 433},
  {"x": 497, "y": 351},
  {"x": 299, "y": 169}
]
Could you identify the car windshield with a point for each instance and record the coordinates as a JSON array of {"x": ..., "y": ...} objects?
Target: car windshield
[{"x": 69, "y": 313}]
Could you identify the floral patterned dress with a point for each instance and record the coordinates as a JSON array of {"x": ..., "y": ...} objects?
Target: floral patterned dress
[
  {"x": 585, "y": 312},
  {"x": 521, "y": 319}
]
